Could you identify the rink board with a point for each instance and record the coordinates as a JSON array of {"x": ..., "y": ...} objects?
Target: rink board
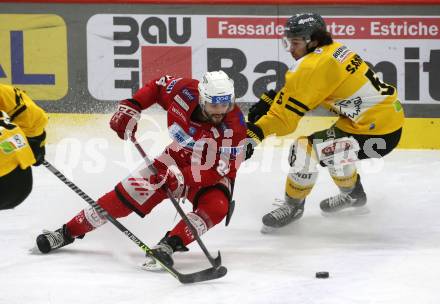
[{"x": 419, "y": 133}]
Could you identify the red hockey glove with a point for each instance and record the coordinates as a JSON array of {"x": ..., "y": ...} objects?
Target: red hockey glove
[
  {"x": 126, "y": 117},
  {"x": 165, "y": 179}
]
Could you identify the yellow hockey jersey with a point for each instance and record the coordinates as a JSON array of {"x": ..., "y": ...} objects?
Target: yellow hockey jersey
[
  {"x": 335, "y": 77},
  {"x": 20, "y": 117}
]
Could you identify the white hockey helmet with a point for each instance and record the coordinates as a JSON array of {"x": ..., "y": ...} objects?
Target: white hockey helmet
[{"x": 216, "y": 88}]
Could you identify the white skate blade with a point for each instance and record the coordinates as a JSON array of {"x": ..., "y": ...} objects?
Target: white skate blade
[
  {"x": 267, "y": 229},
  {"x": 152, "y": 266},
  {"x": 352, "y": 211}
]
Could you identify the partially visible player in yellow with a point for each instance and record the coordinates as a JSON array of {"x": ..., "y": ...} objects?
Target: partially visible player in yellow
[
  {"x": 22, "y": 140},
  {"x": 329, "y": 74}
]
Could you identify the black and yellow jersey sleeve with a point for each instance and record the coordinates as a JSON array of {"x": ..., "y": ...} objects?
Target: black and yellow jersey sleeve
[
  {"x": 22, "y": 110},
  {"x": 283, "y": 116},
  {"x": 20, "y": 118},
  {"x": 14, "y": 148}
]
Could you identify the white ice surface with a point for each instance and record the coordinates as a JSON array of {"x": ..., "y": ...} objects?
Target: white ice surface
[{"x": 390, "y": 255}]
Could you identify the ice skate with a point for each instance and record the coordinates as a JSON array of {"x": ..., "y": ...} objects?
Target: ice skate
[
  {"x": 164, "y": 250},
  {"x": 356, "y": 198},
  {"x": 287, "y": 212},
  {"x": 50, "y": 240}
]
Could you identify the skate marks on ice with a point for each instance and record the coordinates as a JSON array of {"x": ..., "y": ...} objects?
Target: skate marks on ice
[{"x": 349, "y": 212}]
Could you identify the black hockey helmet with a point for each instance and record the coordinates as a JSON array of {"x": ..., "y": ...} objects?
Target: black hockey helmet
[{"x": 303, "y": 25}]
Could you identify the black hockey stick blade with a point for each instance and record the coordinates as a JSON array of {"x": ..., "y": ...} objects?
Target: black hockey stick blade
[
  {"x": 218, "y": 260},
  {"x": 204, "y": 275},
  {"x": 187, "y": 278}
]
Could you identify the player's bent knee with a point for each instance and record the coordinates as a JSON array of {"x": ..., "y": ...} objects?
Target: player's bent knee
[{"x": 213, "y": 206}]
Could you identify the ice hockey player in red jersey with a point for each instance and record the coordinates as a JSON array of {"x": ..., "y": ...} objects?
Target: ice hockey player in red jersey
[{"x": 208, "y": 132}]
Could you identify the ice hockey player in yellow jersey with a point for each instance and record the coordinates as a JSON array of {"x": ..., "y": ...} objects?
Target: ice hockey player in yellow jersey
[
  {"x": 22, "y": 140},
  {"x": 329, "y": 74}
]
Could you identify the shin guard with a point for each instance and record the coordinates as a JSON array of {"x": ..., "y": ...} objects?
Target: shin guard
[
  {"x": 211, "y": 209},
  {"x": 89, "y": 219},
  {"x": 345, "y": 177},
  {"x": 303, "y": 170}
]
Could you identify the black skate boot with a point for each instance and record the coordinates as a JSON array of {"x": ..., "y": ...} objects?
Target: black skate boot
[
  {"x": 164, "y": 250},
  {"x": 355, "y": 198},
  {"x": 51, "y": 240},
  {"x": 291, "y": 210}
]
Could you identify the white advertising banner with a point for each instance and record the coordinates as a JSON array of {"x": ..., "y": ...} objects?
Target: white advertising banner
[{"x": 125, "y": 51}]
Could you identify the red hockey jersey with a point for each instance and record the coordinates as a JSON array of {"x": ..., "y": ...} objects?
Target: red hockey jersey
[{"x": 204, "y": 152}]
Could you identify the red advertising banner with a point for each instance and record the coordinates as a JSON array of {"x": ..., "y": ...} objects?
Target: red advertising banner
[
  {"x": 166, "y": 60},
  {"x": 340, "y": 27}
]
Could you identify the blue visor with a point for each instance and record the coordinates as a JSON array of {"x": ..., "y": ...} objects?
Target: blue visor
[{"x": 221, "y": 99}]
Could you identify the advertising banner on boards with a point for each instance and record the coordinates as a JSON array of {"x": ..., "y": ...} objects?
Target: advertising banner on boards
[
  {"x": 124, "y": 51},
  {"x": 34, "y": 54}
]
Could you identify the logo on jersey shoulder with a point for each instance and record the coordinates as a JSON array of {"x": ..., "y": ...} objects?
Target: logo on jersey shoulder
[
  {"x": 342, "y": 53},
  {"x": 171, "y": 85},
  {"x": 181, "y": 102},
  {"x": 13, "y": 143},
  {"x": 318, "y": 51},
  {"x": 188, "y": 94},
  {"x": 6, "y": 147},
  {"x": 178, "y": 113}
]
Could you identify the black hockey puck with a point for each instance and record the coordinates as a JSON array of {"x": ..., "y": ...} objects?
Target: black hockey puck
[{"x": 322, "y": 275}]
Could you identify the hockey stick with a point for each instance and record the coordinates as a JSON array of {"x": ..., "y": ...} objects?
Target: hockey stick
[
  {"x": 215, "y": 262},
  {"x": 204, "y": 275}
]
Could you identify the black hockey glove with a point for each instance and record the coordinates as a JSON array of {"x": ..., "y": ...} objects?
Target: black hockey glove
[
  {"x": 254, "y": 137},
  {"x": 37, "y": 145},
  {"x": 262, "y": 106}
]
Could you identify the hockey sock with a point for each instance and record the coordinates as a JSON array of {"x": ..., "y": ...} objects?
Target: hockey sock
[
  {"x": 344, "y": 177},
  {"x": 89, "y": 219},
  {"x": 299, "y": 185}
]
